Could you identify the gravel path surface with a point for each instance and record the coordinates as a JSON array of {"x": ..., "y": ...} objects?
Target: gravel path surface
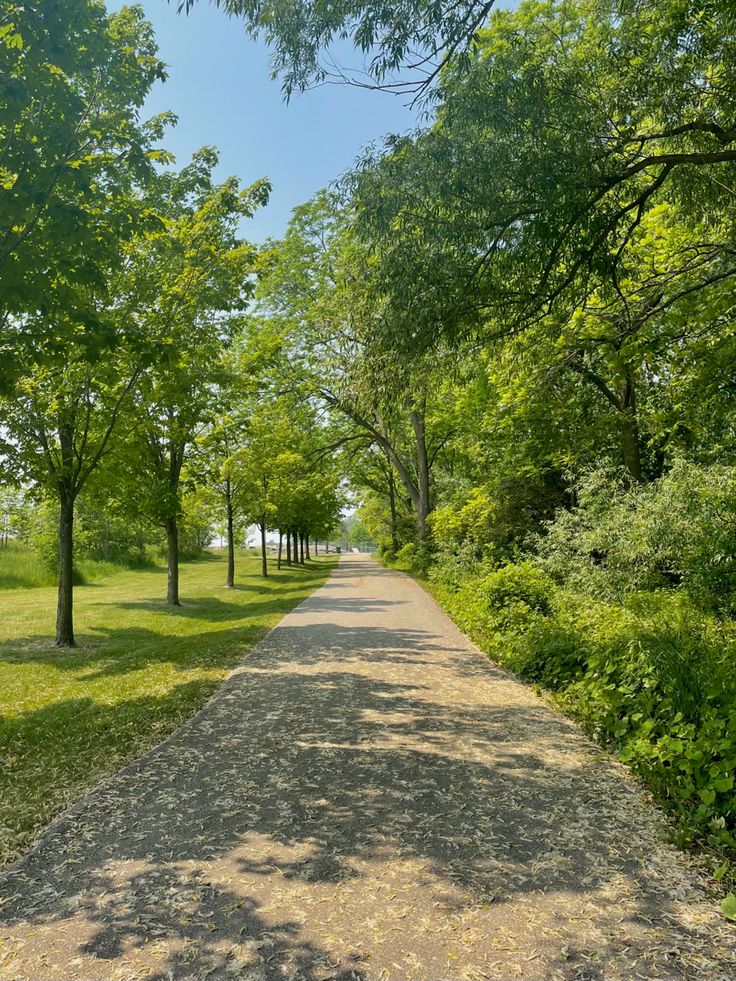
[{"x": 367, "y": 797}]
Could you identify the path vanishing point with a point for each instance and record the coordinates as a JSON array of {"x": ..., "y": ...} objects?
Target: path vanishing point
[{"x": 367, "y": 797}]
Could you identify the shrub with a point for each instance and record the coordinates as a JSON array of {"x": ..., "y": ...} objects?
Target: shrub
[
  {"x": 385, "y": 550},
  {"x": 406, "y": 556},
  {"x": 677, "y": 532},
  {"x": 492, "y": 520},
  {"x": 451, "y": 568},
  {"x": 652, "y": 678},
  {"x": 525, "y": 586}
]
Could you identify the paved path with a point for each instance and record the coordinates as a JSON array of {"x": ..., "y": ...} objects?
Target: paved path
[{"x": 367, "y": 797}]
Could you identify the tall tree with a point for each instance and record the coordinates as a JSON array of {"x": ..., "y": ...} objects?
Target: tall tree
[
  {"x": 58, "y": 427},
  {"x": 73, "y": 79},
  {"x": 187, "y": 282},
  {"x": 316, "y": 293},
  {"x": 551, "y": 143}
]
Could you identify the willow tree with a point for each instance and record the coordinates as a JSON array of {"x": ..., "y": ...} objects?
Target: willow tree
[{"x": 404, "y": 44}]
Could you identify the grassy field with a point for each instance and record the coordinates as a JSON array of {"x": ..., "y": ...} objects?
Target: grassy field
[
  {"x": 21, "y": 568},
  {"x": 69, "y": 718}
]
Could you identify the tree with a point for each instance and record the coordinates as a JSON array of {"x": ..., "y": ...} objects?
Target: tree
[
  {"x": 419, "y": 35},
  {"x": 215, "y": 450},
  {"x": 316, "y": 294},
  {"x": 551, "y": 143},
  {"x": 372, "y": 475},
  {"x": 186, "y": 282},
  {"x": 59, "y": 425},
  {"x": 72, "y": 81}
]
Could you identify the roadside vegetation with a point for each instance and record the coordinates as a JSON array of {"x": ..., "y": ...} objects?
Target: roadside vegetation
[{"x": 621, "y": 609}]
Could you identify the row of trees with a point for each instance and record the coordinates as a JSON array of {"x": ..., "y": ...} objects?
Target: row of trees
[
  {"x": 126, "y": 375},
  {"x": 538, "y": 282}
]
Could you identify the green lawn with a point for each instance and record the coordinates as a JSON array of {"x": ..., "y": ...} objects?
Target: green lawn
[{"x": 69, "y": 718}]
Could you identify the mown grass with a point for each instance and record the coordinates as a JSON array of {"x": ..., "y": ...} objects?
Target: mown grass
[{"x": 68, "y": 718}]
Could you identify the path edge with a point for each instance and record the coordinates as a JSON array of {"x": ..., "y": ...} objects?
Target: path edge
[{"x": 10, "y": 870}]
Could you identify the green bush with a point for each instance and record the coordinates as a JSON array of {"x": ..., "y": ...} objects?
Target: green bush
[
  {"x": 496, "y": 517},
  {"x": 414, "y": 558},
  {"x": 385, "y": 550},
  {"x": 662, "y": 692},
  {"x": 678, "y": 532},
  {"x": 406, "y": 556},
  {"x": 653, "y": 680},
  {"x": 453, "y": 567},
  {"x": 525, "y": 587}
]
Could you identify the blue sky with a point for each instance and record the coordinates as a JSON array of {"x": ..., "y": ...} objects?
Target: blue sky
[{"x": 220, "y": 88}]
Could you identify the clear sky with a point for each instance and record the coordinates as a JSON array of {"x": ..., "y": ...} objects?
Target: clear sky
[{"x": 220, "y": 88}]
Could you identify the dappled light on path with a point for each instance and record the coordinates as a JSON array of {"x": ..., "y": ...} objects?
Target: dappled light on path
[{"x": 367, "y": 797}]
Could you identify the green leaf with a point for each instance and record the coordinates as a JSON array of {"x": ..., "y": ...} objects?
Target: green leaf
[
  {"x": 707, "y": 795},
  {"x": 728, "y": 907}
]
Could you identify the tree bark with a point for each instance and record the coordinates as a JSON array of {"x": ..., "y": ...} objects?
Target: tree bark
[
  {"x": 394, "y": 518},
  {"x": 306, "y": 543},
  {"x": 230, "y": 537},
  {"x": 417, "y": 421},
  {"x": 296, "y": 548},
  {"x": 301, "y": 549},
  {"x": 264, "y": 562},
  {"x": 316, "y": 547},
  {"x": 172, "y": 543},
  {"x": 630, "y": 439},
  {"x": 64, "y": 607},
  {"x": 281, "y": 544},
  {"x": 288, "y": 546}
]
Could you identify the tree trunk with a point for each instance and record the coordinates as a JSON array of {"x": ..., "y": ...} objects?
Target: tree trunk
[
  {"x": 417, "y": 421},
  {"x": 264, "y": 562},
  {"x": 172, "y": 542},
  {"x": 316, "y": 547},
  {"x": 288, "y": 546},
  {"x": 281, "y": 544},
  {"x": 394, "y": 519},
  {"x": 306, "y": 543},
  {"x": 230, "y": 538},
  {"x": 630, "y": 440},
  {"x": 296, "y": 548},
  {"x": 65, "y": 604},
  {"x": 301, "y": 548}
]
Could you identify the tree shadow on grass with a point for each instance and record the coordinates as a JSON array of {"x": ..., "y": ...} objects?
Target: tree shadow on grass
[
  {"x": 215, "y": 853},
  {"x": 134, "y": 646},
  {"x": 210, "y": 608}
]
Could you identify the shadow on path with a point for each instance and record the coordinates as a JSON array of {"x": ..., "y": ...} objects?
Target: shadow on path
[{"x": 350, "y": 801}]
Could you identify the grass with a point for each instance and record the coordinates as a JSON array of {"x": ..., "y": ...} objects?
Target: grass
[
  {"x": 21, "y": 568},
  {"x": 68, "y": 718}
]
